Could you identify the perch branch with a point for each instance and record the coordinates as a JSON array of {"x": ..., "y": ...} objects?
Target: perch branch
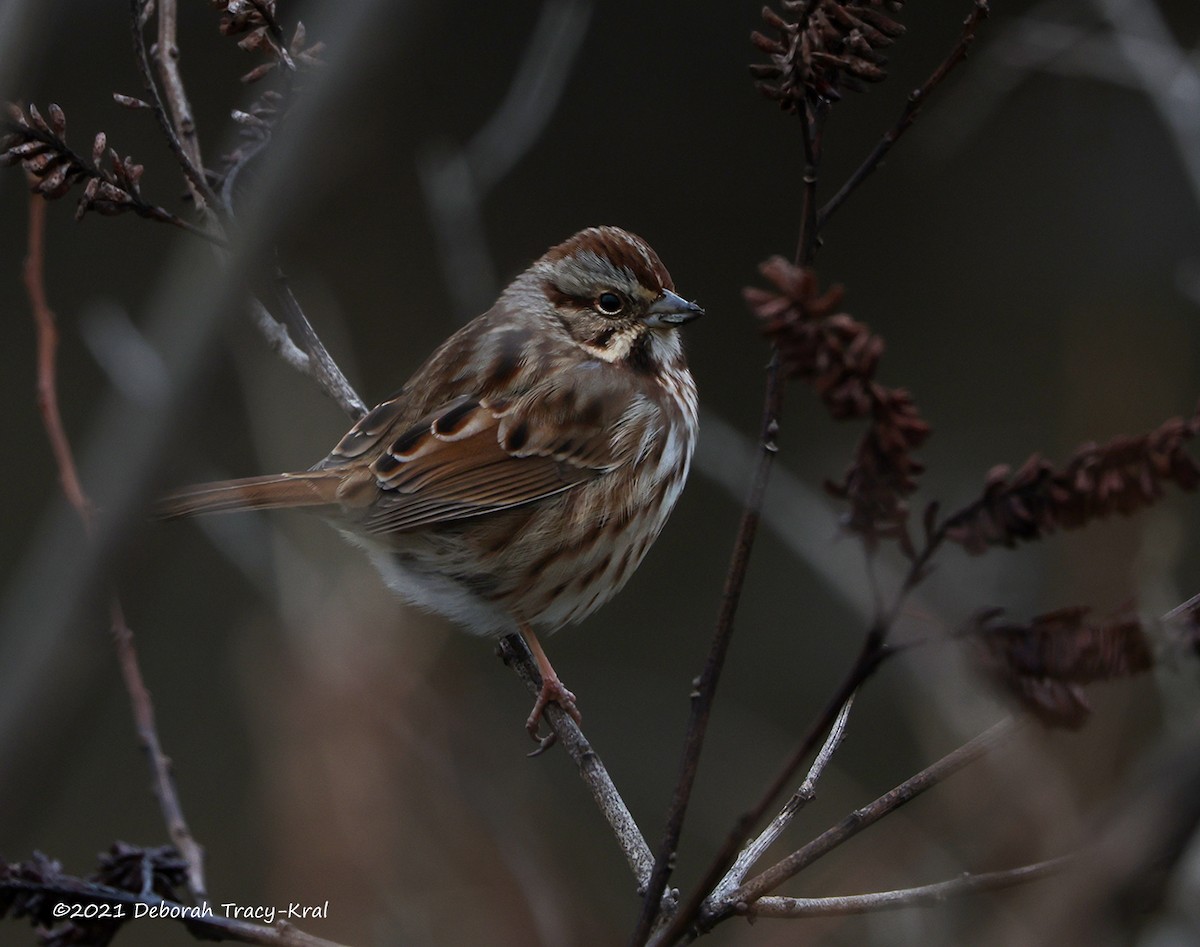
[{"x": 515, "y": 654}]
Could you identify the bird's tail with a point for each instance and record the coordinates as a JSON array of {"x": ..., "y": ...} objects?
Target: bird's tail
[{"x": 277, "y": 491}]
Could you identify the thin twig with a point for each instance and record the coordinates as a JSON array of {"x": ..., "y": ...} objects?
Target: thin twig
[
  {"x": 139, "y": 696},
  {"x": 193, "y": 173},
  {"x": 802, "y": 797},
  {"x": 912, "y": 108},
  {"x": 321, "y": 366},
  {"x": 967, "y": 883},
  {"x": 868, "y": 815},
  {"x": 88, "y": 169},
  {"x": 704, "y": 693},
  {"x": 515, "y": 654},
  {"x": 871, "y": 655}
]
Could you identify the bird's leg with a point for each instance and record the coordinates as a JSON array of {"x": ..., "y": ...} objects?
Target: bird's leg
[{"x": 552, "y": 692}]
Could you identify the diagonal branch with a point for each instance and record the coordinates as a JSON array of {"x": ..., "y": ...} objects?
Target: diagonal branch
[
  {"x": 868, "y": 815},
  {"x": 515, "y": 654},
  {"x": 321, "y": 366},
  {"x": 912, "y": 108},
  {"x": 802, "y": 797}
]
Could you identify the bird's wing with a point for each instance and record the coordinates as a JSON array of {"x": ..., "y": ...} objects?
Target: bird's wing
[{"x": 480, "y": 455}]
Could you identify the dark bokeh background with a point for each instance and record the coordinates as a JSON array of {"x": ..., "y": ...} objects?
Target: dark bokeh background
[{"x": 1022, "y": 253}]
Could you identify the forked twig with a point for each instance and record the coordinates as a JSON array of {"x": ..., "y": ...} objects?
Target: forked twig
[
  {"x": 871, "y": 813},
  {"x": 802, "y": 797}
]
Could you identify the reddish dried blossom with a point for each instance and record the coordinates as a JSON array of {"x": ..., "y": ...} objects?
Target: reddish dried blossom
[
  {"x": 1123, "y": 476},
  {"x": 40, "y": 146},
  {"x": 839, "y": 357},
  {"x": 824, "y": 46},
  {"x": 1046, "y": 662}
]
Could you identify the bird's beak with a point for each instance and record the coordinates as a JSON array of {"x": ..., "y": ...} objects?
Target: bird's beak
[{"x": 671, "y": 309}]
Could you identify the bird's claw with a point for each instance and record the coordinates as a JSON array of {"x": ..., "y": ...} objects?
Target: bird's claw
[{"x": 552, "y": 692}]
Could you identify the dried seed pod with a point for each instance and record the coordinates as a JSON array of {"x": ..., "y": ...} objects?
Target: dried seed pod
[
  {"x": 129, "y": 102},
  {"x": 824, "y": 46},
  {"x": 839, "y": 356},
  {"x": 1045, "y": 662}
]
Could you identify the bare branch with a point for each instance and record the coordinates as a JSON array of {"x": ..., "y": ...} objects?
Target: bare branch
[
  {"x": 802, "y": 797},
  {"x": 139, "y": 696},
  {"x": 184, "y": 123},
  {"x": 515, "y": 654},
  {"x": 936, "y": 893},
  {"x": 192, "y": 171},
  {"x": 704, "y": 692},
  {"x": 320, "y": 365},
  {"x": 868, "y": 815}
]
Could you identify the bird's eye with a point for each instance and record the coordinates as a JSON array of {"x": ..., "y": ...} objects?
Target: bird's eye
[{"x": 609, "y": 304}]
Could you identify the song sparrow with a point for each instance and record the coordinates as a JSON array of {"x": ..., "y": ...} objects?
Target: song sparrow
[{"x": 517, "y": 480}]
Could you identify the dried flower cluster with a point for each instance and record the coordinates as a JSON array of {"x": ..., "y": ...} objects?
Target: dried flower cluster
[
  {"x": 839, "y": 357},
  {"x": 1122, "y": 476},
  {"x": 825, "y": 46},
  {"x": 40, "y": 146},
  {"x": 1045, "y": 662},
  {"x": 256, "y": 18},
  {"x": 33, "y": 890}
]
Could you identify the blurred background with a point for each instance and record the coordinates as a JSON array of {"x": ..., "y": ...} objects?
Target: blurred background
[{"x": 1030, "y": 252}]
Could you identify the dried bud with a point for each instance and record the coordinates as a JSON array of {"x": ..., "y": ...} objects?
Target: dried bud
[
  {"x": 58, "y": 121},
  {"x": 258, "y": 72},
  {"x": 55, "y": 182},
  {"x": 129, "y": 102},
  {"x": 839, "y": 356}
]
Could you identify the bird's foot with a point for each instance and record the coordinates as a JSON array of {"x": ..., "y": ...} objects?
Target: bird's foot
[{"x": 552, "y": 692}]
